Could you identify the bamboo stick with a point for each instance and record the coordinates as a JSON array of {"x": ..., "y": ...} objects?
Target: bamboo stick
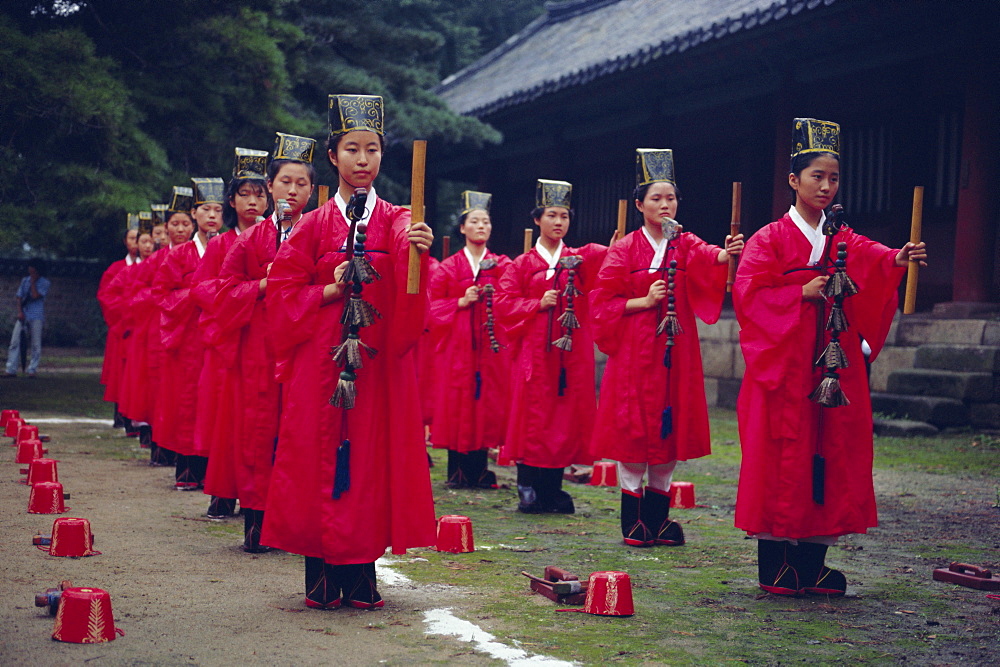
[
  {"x": 416, "y": 212},
  {"x": 527, "y": 240},
  {"x": 913, "y": 269},
  {"x": 323, "y": 196},
  {"x": 622, "y": 216},
  {"x": 734, "y": 229}
]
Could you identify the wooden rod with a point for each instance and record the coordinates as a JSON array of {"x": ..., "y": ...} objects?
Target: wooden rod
[
  {"x": 622, "y": 217},
  {"x": 416, "y": 212},
  {"x": 445, "y": 247},
  {"x": 323, "y": 196},
  {"x": 734, "y": 229},
  {"x": 527, "y": 239},
  {"x": 913, "y": 270}
]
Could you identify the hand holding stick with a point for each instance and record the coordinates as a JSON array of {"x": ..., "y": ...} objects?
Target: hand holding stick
[
  {"x": 913, "y": 268},
  {"x": 734, "y": 230},
  {"x": 416, "y": 212}
]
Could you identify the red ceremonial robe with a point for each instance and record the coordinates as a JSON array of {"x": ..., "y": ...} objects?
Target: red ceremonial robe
[
  {"x": 182, "y": 351},
  {"x": 424, "y": 352},
  {"x": 110, "y": 368},
  {"x": 546, "y": 430},
  {"x": 634, "y": 388},
  {"x": 243, "y": 318},
  {"x": 144, "y": 354},
  {"x": 213, "y": 427},
  {"x": 777, "y": 421},
  {"x": 462, "y": 348},
  {"x": 389, "y": 502}
]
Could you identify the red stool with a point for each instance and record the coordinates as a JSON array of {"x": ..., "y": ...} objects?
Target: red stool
[
  {"x": 605, "y": 474},
  {"x": 84, "y": 617},
  {"x": 682, "y": 495},
  {"x": 454, "y": 534}
]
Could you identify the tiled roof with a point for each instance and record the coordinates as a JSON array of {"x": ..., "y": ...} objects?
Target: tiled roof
[{"x": 577, "y": 41}]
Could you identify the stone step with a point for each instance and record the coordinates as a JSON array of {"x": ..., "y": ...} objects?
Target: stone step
[
  {"x": 962, "y": 358},
  {"x": 985, "y": 415},
  {"x": 916, "y": 330},
  {"x": 903, "y": 428},
  {"x": 971, "y": 387},
  {"x": 941, "y": 412}
]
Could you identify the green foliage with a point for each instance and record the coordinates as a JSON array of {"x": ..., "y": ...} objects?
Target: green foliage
[{"x": 104, "y": 106}]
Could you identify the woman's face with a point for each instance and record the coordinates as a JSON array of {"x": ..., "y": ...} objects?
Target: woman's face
[
  {"x": 179, "y": 228},
  {"x": 553, "y": 223},
  {"x": 477, "y": 227},
  {"x": 208, "y": 216},
  {"x": 130, "y": 241},
  {"x": 293, "y": 184},
  {"x": 249, "y": 201},
  {"x": 160, "y": 236},
  {"x": 358, "y": 158},
  {"x": 816, "y": 185},
  {"x": 145, "y": 245},
  {"x": 660, "y": 200}
]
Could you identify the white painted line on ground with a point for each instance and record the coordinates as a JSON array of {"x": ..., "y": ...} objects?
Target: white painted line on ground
[
  {"x": 72, "y": 420},
  {"x": 443, "y": 622}
]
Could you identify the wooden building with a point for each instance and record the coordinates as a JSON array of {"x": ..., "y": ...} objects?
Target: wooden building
[{"x": 913, "y": 84}]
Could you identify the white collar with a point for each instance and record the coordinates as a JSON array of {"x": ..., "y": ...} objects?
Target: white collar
[
  {"x": 552, "y": 259},
  {"x": 659, "y": 250},
  {"x": 815, "y": 236},
  {"x": 129, "y": 260},
  {"x": 473, "y": 262},
  {"x": 199, "y": 245},
  {"x": 369, "y": 204}
]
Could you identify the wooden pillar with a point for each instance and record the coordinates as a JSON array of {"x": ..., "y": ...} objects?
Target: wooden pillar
[{"x": 977, "y": 196}]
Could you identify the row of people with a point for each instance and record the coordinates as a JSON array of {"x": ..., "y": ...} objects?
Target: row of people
[{"x": 277, "y": 360}]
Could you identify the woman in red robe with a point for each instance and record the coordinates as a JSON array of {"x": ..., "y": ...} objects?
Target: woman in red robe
[
  {"x": 215, "y": 429},
  {"x": 351, "y": 477},
  {"x": 178, "y": 398},
  {"x": 780, "y": 300},
  {"x": 651, "y": 416},
  {"x": 111, "y": 369},
  {"x": 553, "y": 396},
  {"x": 243, "y": 316},
  {"x": 472, "y": 368}
]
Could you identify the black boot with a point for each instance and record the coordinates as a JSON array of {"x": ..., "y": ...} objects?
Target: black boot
[
  {"x": 119, "y": 420},
  {"x": 161, "y": 456},
  {"x": 131, "y": 430},
  {"x": 145, "y": 436},
  {"x": 221, "y": 508},
  {"x": 475, "y": 466},
  {"x": 322, "y": 591},
  {"x": 656, "y": 516},
  {"x": 359, "y": 585},
  {"x": 634, "y": 531},
  {"x": 527, "y": 478},
  {"x": 253, "y": 523},
  {"x": 774, "y": 569},
  {"x": 184, "y": 476},
  {"x": 554, "y": 499},
  {"x": 814, "y": 576},
  {"x": 456, "y": 471}
]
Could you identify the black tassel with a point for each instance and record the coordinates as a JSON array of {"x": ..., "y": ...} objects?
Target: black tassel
[
  {"x": 667, "y": 422},
  {"x": 837, "y": 321},
  {"x": 349, "y": 352},
  {"x": 479, "y": 384},
  {"x": 819, "y": 479},
  {"x": 342, "y": 478},
  {"x": 359, "y": 312},
  {"x": 666, "y": 356},
  {"x": 828, "y": 393},
  {"x": 833, "y": 356},
  {"x": 346, "y": 392},
  {"x": 569, "y": 320},
  {"x": 562, "y": 381},
  {"x": 670, "y": 325},
  {"x": 565, "y": 343}
]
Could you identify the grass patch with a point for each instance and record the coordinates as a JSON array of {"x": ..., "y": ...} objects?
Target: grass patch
[{"x": 56, "y": 394}]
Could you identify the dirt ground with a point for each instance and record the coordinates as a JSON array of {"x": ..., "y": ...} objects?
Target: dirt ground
[
  {"x": 185, "y": 593},
  {"x": 181, "y": 588}
]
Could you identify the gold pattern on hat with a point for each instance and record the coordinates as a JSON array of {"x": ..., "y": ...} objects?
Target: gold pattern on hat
[
  {"x": 815, "y": 136},
  {"x": 654, "y": 165},
  {"x": 293, "y": 147},
  {"x": 348, "y": 113},
  {"x": 472, "y": 201},
  {"x": 207, "y": 190},
  {"x": 250, "y": 164},
  {"x": 180, "y": 200},
  {"x": 553, "y": 193}
]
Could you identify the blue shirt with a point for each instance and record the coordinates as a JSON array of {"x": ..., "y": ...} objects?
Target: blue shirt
[{"x": 34, "y": 309}]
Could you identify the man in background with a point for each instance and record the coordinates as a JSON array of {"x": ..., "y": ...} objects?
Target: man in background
[{"x": 30, "y": 315}]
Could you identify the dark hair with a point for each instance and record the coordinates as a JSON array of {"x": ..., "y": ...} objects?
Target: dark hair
[
  {"x": 228, "y": 212},
  {"x": 536, "y": 213},
  {"x": 802, "y": 161},
  {"x": 38, "y": 263},
  {"x": 276, "y": 165},
  {"x": 125, "y": 235},
  {"x": 173, "y": 213},
  {"x": 334, "y": 141}
]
